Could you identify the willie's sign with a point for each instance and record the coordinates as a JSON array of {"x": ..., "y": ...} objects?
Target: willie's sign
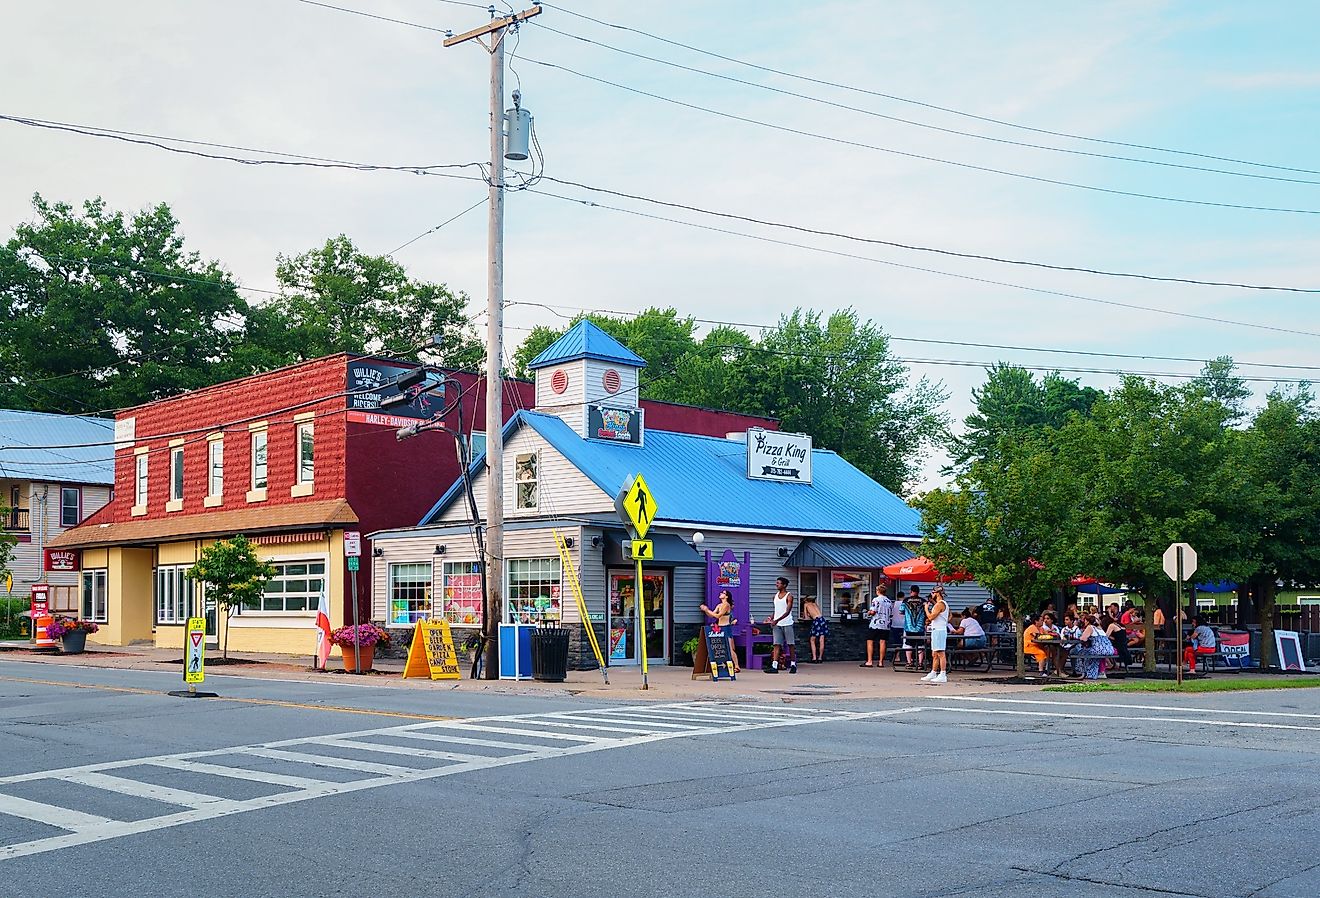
[
  {"x": 772, "y": 455},
  {"x": 61, "y": 560},
  {"x": 370, "y": 381}
]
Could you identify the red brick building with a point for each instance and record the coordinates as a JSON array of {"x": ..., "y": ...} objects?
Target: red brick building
[{"x": 291, "y": 458}]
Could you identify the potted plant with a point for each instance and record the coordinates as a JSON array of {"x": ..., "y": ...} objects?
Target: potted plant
[
  {"x": 72, "y": 633},
  {"x": 689, "y": 649},
  {"x": 359, "y": 645}
]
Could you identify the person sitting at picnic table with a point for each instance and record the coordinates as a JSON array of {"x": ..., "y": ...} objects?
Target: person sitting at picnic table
[
  {"x": 1203, "y": 642},
  {"x": 1071, "y": 628},
  {"x": 1091, "y": 649},
  {"x": 970, "y": 629},
  {"x": 1118, "y": 637},
  {"x": 1041, "y": 626}
]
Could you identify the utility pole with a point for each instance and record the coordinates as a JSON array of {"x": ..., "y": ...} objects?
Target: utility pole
[{"x": 493, "y": 600}]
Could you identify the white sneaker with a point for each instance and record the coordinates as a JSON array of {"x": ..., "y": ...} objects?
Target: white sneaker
[
  {"x": 928, "y": 677},
  {"x": 942, "y": 678}
]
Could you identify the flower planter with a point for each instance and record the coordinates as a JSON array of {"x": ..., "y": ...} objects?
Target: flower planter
[
  {"x": 358, "y": 659},
  {"x": 75, "y": 642}
]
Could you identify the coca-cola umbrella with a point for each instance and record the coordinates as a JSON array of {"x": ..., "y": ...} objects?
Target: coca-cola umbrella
[{"x": 920, "y": 570}]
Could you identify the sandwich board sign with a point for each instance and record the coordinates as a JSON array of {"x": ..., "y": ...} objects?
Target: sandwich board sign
[
  {"x": 194, "y": 670},
  {"x": 432, "y": 652}
]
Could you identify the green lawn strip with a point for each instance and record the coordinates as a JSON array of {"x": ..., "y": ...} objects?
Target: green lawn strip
[{"x": 1235, "y": 684}]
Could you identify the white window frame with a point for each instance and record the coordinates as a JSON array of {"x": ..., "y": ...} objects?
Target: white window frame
[
  {"x": 521, "y": 608},
  {"x": 95, "y": 600},
  {"x": 173, "y": 594},
  {"x": 215, "y": 468},
  {"x": 861, "y": 594},
  {"x": 259, "y": 442},
  {"x": 312, "y": 596},
  {"x": 528, "y": 500},
  {"x": 77, "y": 506},
  {"x": 306, "y": 470},
  {"x": 802, "y": 593},
  {"x": 176, "y": 473},
  {"x": 457, "y": 614},
  {"x": 425, "y": 578},
  {"x": 140, "y": 482}
]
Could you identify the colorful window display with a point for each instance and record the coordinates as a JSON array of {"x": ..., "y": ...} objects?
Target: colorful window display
[
  {"x": 462, "y": 593},
  {"x": 535, "y": 586},
  {"x": 410, "y": 593}
]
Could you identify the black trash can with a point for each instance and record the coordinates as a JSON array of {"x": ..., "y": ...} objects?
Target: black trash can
[{"x": 550, "y": 654}]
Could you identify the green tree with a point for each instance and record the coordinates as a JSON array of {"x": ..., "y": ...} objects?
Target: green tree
[
  {"x": 1016, "y": 521},
  {"x": 234, "y": 575},
  {"x": 1011, "y": 402},
  {"x": 103, "y": 310},
  {"x": 835, "y": 379},
  {"x": 1282, "y": 467},
  {"x": 336, "y": 298}
]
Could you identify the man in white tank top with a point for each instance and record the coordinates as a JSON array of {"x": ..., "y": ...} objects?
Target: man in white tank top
[
  {"x": 937, "y": 617},
  {"x": 782, "y": 621}
]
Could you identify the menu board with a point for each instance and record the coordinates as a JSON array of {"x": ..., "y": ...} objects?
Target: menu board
[{"x": 462, "y": 593}]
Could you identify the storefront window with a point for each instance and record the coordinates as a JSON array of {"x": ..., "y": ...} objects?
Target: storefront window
[
  {"x": 173, "y": 591},
  {"x": 462, "y": 592},
  {"x": 410, "y": 592},
  {"x": 296, "y": 586},
  {"x": 850, "y": 591},
  {"x": 95, "y": 604},
  {"x": 534, "y": 589}
]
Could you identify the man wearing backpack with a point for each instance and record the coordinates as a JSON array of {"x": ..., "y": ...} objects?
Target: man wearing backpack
[{"x": 914, "y": 624}]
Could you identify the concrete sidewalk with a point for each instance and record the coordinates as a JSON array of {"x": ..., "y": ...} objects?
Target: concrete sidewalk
[{"x": 834, "y": 681}]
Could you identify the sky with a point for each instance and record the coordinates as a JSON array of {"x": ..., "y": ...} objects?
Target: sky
[{"x": 1227, "y": 79}]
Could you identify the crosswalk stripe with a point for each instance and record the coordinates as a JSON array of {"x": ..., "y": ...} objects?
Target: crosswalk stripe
[
  {"x": 468, "y": 740},
  {"x": 52, "y": 815},
  {"x": 614, "y": 718},
  {"x": 239, "y": 773},
  {"x": 622, "y": 727},
  {"x": 490, "y": 728},
  {"x": 299, "y": 757},
  {"x": 402, "y": 750},
  {"x": 140, "y": 789}
]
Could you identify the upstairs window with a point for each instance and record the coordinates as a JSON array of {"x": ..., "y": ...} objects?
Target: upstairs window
[
  {"x": 259, "y": 460},
  {"x": 70, "y": 506},
  {"x": 215, "y": 462},
  {"x": 176, "y": 473},
  {"x": 140, "y": 480},
  {"x": 306, "y": 452},
  {"x": 525, "y": 480}
]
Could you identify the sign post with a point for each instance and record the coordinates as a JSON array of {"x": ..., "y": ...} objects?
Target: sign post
[
  {"x": 1179, "y": 564},
  {"x": 352, "y": 551},
  {"x": 637, "y": 508}
]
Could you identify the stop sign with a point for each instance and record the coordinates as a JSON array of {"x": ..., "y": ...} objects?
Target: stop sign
[{"x": 1171, "y": 560}]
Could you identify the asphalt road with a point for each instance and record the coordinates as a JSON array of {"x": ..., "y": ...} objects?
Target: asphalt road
[{"x": 110, "y": 788}]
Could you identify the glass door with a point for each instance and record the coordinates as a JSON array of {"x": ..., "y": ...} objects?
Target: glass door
[{"x": 625, "y": 631}]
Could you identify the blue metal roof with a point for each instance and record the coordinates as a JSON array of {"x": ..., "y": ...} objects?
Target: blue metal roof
[
  {"x": 845, "y": 553},
  {"x": 585, "y": 340},
  {"x": 25, "y": 436},
  {"x": 703, "y": 481}
]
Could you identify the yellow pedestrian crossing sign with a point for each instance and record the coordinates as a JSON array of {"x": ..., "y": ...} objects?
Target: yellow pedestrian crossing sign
[
  {"x": 637, "y": 506},
  {"x": 195, "y": 667},
  {"x": 641, "y": 550}
]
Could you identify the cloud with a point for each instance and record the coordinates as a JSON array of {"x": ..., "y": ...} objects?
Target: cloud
[{"x": 1269, "y": 80}]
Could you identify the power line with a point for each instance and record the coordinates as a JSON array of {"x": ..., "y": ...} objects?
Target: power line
[
  {"x": 819, "y": 232},
  {"x": 965, "y": 277},
  {"x": 910, "y": 101},
  {"x": 922, "y": 156},
  {"x": 358, "y": 12},
  {"x": 431, "y": 231},
  {"x": 931, "y": 340},
  {"x": 100, "y": 132},
  {"x": 917, "y": 124}
]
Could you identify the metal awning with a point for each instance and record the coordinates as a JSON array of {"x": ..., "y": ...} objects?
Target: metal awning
[
  {"x": 670, "y": 550},
  {"x": 847, "y": 553}
]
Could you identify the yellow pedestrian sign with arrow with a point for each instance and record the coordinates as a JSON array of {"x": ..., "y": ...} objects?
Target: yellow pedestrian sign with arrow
[{"x": 639, "y": 506}]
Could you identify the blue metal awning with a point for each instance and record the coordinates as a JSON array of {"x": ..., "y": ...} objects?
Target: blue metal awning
[{"x": 847, "y": 553}]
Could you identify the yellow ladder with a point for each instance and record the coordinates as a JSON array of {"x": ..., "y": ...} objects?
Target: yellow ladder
[{"x": 570, "y": 572}]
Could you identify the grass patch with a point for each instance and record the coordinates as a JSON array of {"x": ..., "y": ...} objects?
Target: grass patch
[{"x": 1236, "y": 684}]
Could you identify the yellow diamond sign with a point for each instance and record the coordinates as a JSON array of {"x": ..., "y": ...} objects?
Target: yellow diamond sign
[{"x": 638, "y": 507}]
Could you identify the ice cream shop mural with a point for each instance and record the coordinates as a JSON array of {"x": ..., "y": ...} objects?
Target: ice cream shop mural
[{"x": 733, "y": 512}]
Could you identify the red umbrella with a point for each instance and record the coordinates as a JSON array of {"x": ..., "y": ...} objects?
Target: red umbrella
[{"x": 919, "y": 570}]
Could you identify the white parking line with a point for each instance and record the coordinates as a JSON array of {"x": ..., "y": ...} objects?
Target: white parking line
[{"x": 1077, "y": 704}]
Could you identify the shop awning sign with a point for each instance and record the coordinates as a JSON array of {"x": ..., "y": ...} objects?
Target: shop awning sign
[
  {"x": 637, "y": 507},
  {"x": 774, "y": 455}
]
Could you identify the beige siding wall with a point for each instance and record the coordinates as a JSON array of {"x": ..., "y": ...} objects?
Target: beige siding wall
[
  {"x": 563, "y": 489},
  {"x": 594, "y": 373},
  {"x": 568, "y": 404}
]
